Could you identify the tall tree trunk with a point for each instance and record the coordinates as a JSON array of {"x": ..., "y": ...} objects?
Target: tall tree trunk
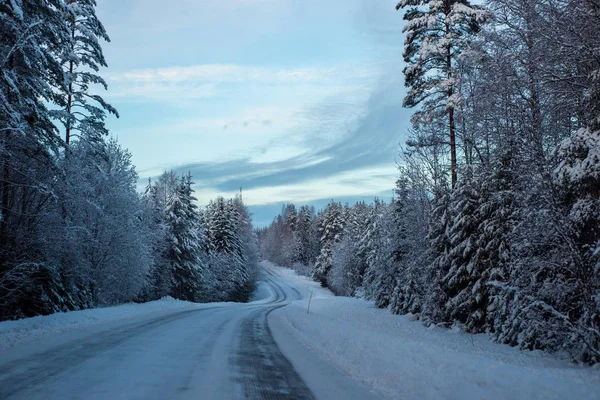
[
  {"x": 4, "y": 205},
  {"x": 70, "y": 94},
  {"x": 453, "y": 167},
  {"x": 69, "y": 107}
]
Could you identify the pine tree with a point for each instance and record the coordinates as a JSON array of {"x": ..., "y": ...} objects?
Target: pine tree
[
  {"x": 250, "y": 253},
  {"x": 437, "y": 32},
  {"x": 159, "y": 275},
  {"x": 232, "y": 268},
  {"x": 348, "y": 263},
  {"x": 465, "y": 283},
  {"x": 411, "y": 213},
  {"x": 379, "y": 251},
  {"x": 29, "y": 33},
  {"x": 331, "y": 227},
  {"x": 439, "y": 234},
  {"x": 306, "y": 250},
  {"x": 81, "y": 61},
  {"x": 183, "y": 251},
  {"x": 578, "y": 176}
]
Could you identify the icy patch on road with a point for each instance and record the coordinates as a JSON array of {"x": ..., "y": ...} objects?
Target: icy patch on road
[{"x": 402, "y": 359}]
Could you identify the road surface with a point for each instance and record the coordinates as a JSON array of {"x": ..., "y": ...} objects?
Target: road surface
[{"x": 221, "y": 352}]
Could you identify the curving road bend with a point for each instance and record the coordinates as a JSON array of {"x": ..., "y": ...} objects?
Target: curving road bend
[{"x": 221, "y": 352}]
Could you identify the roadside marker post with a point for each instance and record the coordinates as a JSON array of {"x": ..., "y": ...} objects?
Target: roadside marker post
[{"x": 309, "y": 300}]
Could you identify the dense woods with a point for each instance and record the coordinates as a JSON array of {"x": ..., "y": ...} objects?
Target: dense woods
[
  {"x": 494, "y": 226},
  {"x": 74, "y": 230},
  {"x": 495, "y": 223}
]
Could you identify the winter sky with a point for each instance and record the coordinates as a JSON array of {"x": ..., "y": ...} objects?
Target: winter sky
[{"x": 293, "y": 100}]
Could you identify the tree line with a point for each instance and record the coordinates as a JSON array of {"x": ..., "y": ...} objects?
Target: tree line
[
  {"x": 495, "y": 222},
  {"x": 74, "y": 231}
]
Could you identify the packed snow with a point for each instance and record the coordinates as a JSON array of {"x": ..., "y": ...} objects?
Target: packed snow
[
  {"x": 348, "y": 344},
  {"x": 223, "y": 351},
  {"x": 399, "y": 357},
  {"x": 32, "y": 329}
]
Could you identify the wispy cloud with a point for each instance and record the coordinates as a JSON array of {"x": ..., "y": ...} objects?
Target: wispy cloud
[
  {"x": 211, "y": 80},
  {"x": 358, "y": 159},
  {"x": 293, "y": 100},
  {"x": 232, "y": 73},
  {"x": 361, "y": 182}
]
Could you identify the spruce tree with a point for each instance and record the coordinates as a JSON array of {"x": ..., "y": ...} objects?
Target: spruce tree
[
  {"x": 439, "y": 234},
  {"x": 411, "y": 213},
  {"x": 331, "y": 227},
  {"x": 183, "y": 251},
  {"x": 465, "y": 282}
]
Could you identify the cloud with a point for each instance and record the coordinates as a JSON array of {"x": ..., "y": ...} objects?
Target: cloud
[
  {"x": 181, "y": 84},
  {"x": 241, "y": 73},
  {"x": 290, "y": 100},
  {"x": 357, "y": 160},
  {"x": 163, "y": 92}
]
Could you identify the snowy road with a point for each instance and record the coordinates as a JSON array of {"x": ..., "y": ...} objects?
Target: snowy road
[
  {"x": 270, "y": 349},
  {"x": 221, "y": 352}
]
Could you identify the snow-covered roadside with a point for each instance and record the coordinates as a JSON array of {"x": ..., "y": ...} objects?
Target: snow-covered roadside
[
  {"x": 401, "y": 358},
  {"x": 27, "y": 330},
  {"x": 30, "y": 329}
]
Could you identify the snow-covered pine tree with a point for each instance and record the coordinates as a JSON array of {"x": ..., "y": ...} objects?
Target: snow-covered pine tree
[
  {"x": 250, "y": 253},
  {"x": 411, "y": 210},
  {"x": 183, "y": 249},
  {"x": 232, "y": 265},
  {"x": 439, "y": 234},
  {"x": 303, "y": 251},
  {"x": 331, "y": 227},
  {"x": 366, "y": 248},
  {"x": 271, "y": 241},
  {"x": 290, "y": 216},
  {"x": 578, "y": 176},
  {"x": 348, "y": 264},
  {"x": 343, "y": 261},
  {"x": 437, "y": 32},
  {"x": 82, "y": 111},
  {"x": 220, "y": 229},
  {"x": 30, "y": 32},
  {"x": 465, "y": 283},
  {"x": 578, "y": 173},
  {"x": 378, "y": 250},
  {"x": 497, "y": 213},
  {"x": 384, "y": 254},
  {"x": 158, "y": 283},
  {"x": 239, "y": 271}
]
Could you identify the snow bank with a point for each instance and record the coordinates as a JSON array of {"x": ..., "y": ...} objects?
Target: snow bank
[
  {"x": 31, "y": 329},
  {"x": 400, "y": 358}
]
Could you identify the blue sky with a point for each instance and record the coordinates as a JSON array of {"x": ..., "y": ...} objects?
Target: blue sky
[{"x": 293, "y": 100}]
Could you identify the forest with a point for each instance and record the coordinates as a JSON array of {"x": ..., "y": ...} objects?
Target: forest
[
  {"x": 494, "y": 226},
  {"x": 75, "y": 231},
  {"x": 495, "y": 222}
]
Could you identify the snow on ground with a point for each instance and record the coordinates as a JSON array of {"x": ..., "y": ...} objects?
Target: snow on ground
[
  {"x": 35, "y": 328},
  {"x": 30, "y": 329},
  {"x": 401, "y": 358}
]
